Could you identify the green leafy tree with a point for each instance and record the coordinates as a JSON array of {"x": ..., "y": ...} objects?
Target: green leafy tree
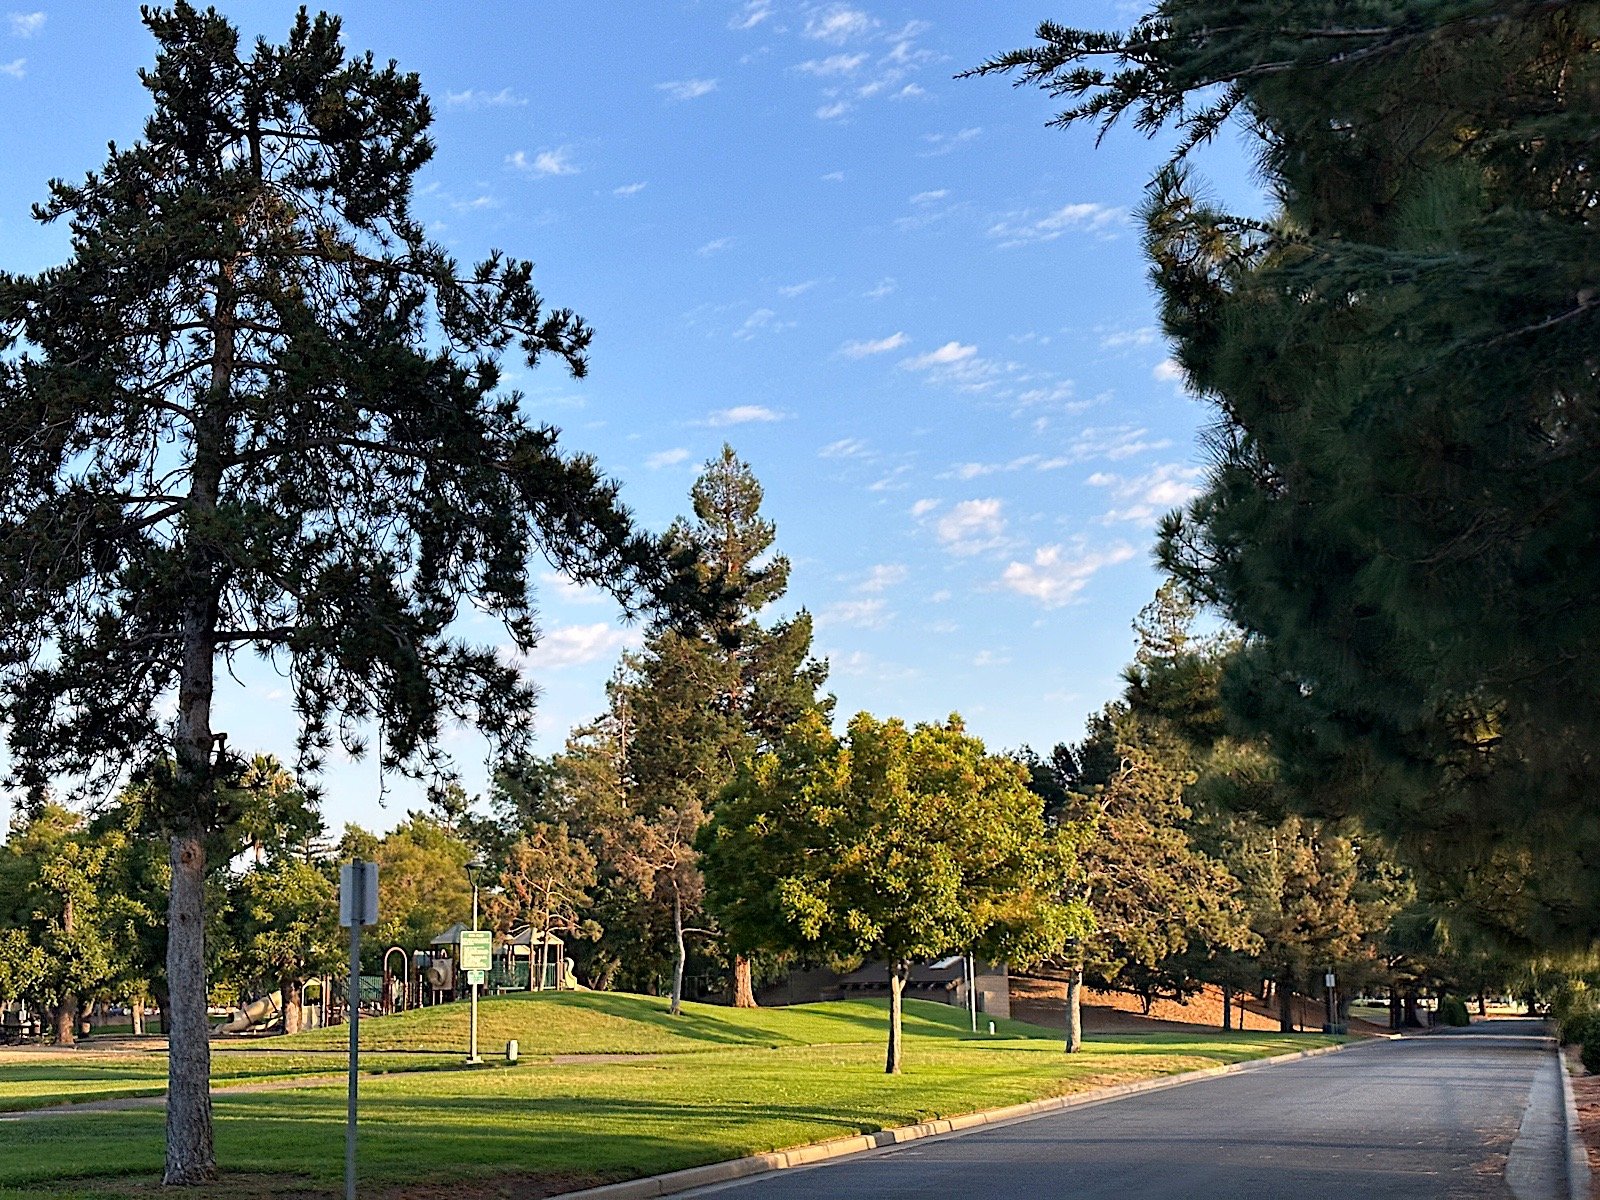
[
  {"x": 285, "y": 929},
  {"x": 545, "y": 885},
  {"x": 274, "y": 425},
  {"x": 900, "y": 844},
  {"x": 423, "y": 886},
  {"x": 1400, "y": 515}
]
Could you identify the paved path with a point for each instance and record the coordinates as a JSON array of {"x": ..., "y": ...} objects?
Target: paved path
[{"x": 1434, "y": 1116}]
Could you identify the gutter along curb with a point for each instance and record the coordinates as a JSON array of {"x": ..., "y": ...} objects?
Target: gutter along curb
[{"x": 818, "y": 1152}]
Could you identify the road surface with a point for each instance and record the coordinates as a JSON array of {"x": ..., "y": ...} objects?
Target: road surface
[{"x": 1453, "y": 1114}]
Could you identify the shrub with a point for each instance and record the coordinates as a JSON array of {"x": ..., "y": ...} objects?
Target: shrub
[
  {"x": 1453, "y": 1011},
  {"x": 1580, "y": 1029}
]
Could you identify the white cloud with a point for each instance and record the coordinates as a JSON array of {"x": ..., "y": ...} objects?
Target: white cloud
[
  {"x": 687, "y": 89},
  {"x": 944, "y": 356},
  {"x": 574, "y": 593},
  {"x": 573, "y": 645},
  {"x": 860, "y": 664},
  {"x": 975, "y": 470},
  {"x": 25, "y": 25},
  {"x": 743, "y": 414},
  {"x": 666, "y": 458},
  {"x": 844, "y": 448},
  {"x": 990, "y": 658},
  {"x": 1145, "y": 497},
  {"x": 1055, "y": 577},
  {"x": 945, "y": 143},
  {"x": 894, "y": 481},
  {"x": 923, "y": 507},
  {"x": 712, "y": 247},
  {"x": 829, "y": 112},
  {"x": 882, "y": 577},
  {"x": 473, "y": 98},
  {"x": 16, "y": 68},
  {"x": 972, "y": 526},
  {"x": 884, "y": 287},
  {"x": 629, "y": 189},
  {"x": 833, "y": 177},
  {"x": 873, "y": 346},
  {"x": 1023, "y": 229},
  {"x": 857, "y": 614},
  {"x": 1115, "y": 444},
  {"x": 1168, "y": 371},
  {"x": 837, "y": 23},
  {"x": 834, "y": 64},
  {"x": 544, "y": 163},
  {"x": 930, "y": 197},
  {"x": 798, "y": 289},
  {"x": 753, "y": 13},
  {"x": 763, "y": 320},
  {"x": 1117, "y": 339}
]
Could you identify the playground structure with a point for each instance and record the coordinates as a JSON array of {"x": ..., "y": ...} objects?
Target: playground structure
[{"x": 523, "y": 962}]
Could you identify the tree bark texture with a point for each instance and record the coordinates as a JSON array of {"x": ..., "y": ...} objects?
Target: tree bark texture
[
  {"x": 136, "y": 1016},
  {"x": 683, "y": 954},
  {"x": 1285, "y": 1007},
  {"x": 190, "y": 1157},
  {"x": 1074, "y": 1010},
  {"x": 897, "y": 986},
  {"x": 744, "y": 992},
  {"x": 291, "y": 991},
  {"x": 1227, "y": 1009},
  {"x": 66, "y": 1021}
]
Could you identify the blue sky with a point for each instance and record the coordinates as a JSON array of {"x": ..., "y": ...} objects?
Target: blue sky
[{"x": 921, "y": 315}]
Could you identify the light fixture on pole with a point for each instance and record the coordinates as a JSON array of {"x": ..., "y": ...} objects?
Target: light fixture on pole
[{"x": 474, "y": 956}]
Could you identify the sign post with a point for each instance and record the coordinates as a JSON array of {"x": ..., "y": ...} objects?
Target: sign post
[
  {"x": 358, "y": 906},
  {"x": 477, "y": 956}
]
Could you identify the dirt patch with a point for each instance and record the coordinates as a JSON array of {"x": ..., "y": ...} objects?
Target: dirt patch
[
  {"x": 1586, "y": 1093},
  {"x": 1042, "y": 1000}
]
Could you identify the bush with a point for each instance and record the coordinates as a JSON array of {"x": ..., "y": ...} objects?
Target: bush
[
  {"x": 1580, "y": 1029},
  {"x": 1572, "y": 1001},
  {"x": 1452, "y": 1011},
  {"x": 1590, "y": 1054}
]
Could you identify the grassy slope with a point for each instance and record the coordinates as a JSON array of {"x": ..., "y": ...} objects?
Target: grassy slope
[{"x": 734, "y": 1095}]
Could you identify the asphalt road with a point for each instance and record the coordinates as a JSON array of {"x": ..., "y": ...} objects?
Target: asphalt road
[{"x": 1452, "y": 1114}]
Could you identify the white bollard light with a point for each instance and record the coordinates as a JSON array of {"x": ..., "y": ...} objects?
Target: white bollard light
[{"x": 511, "y": 1051}]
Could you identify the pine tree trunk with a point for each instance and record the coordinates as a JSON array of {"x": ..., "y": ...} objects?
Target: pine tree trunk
[
  {"x": 744, "y": 992},
  {"x": 190, "y": 1157},
  {"x": 683, "y": 954},
  {"x": 897, "y": 985},
  {"x": 66, "y": 1021},
  {"x": 1227, "y": 1009},
  {"x": 1285, "y": 1007},
  {"x": 291, "y": 990},
  {"x": 1074, "y": 1009},
  {"x": 1483, "y": 1005},
  {"x": 1394, "y": 1007}
]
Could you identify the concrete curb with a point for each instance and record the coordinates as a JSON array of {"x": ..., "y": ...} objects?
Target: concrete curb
[
  {"x": 1578, "y": 1182},
  {"x": 778, "y": 1160}
]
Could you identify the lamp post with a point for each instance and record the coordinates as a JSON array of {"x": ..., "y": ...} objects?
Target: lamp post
[{"x": 475, "y": 866}]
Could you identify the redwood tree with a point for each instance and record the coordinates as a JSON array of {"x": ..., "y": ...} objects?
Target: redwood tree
[{"x": 257, "y": 411}]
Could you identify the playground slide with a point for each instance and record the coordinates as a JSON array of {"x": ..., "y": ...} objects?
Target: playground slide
[{"x": 258, "y": 1010}]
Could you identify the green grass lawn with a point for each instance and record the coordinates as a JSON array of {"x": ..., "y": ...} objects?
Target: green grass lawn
[{"x": 747, "y": 1081}]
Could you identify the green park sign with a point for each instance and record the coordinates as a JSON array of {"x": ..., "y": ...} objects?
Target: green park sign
[{"x": 477, "y": 949}]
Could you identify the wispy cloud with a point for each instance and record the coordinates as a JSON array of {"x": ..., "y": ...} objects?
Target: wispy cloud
[
  {"x": 834, "y": 64},
  {"x": 715, "y": 246},
  {"x": 930, "y": 197},
  {"x": 957, "y": 365},
  {"x": 946, "y": 143},
  {"x": 476, "y": 98},
  {"x": 25, "y": 25},
  {"x": 1145, "y": 497},
  {"x": 574, "y": 645},
  {"x": 1168, "y": 371},
  {"x": 1114, "y": 444},
  {"x": 16, "y": 68},
  {"x": 666, "y": 458},
  {"x": 1120, "y": 339},
  {"x": 923, "y": 507},
  {"x": 833, "y": 111},
  {"x": 884, "y": 287},
  {"x": 763, "y": 320},
  {"x": 744, "y": 414},
  {"x": 798, "y": 289},
  {"x": 872, "y": 346},
  {"x": 1055, "y": 576},
  {"x": 859, "y": 614},
  {"x": 1024, "y": 229},
  {"x": 844, "y": 448},
  {"x": 946, "y": 355},
  {"x": 991, "y": 658},
  {"x": 752, "y": 14},
  {"x": 687, "y": 89},
  {"x": 972, "y": 526},
  {"x": 882, "y": 577},
  {"x": 574, "y": 593},
  {"x": 629, "y": 189},
  {"x": 837, "y": 23},
  {"x": 833, "y": 177},
  {"x": 545, "y": 162}
]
